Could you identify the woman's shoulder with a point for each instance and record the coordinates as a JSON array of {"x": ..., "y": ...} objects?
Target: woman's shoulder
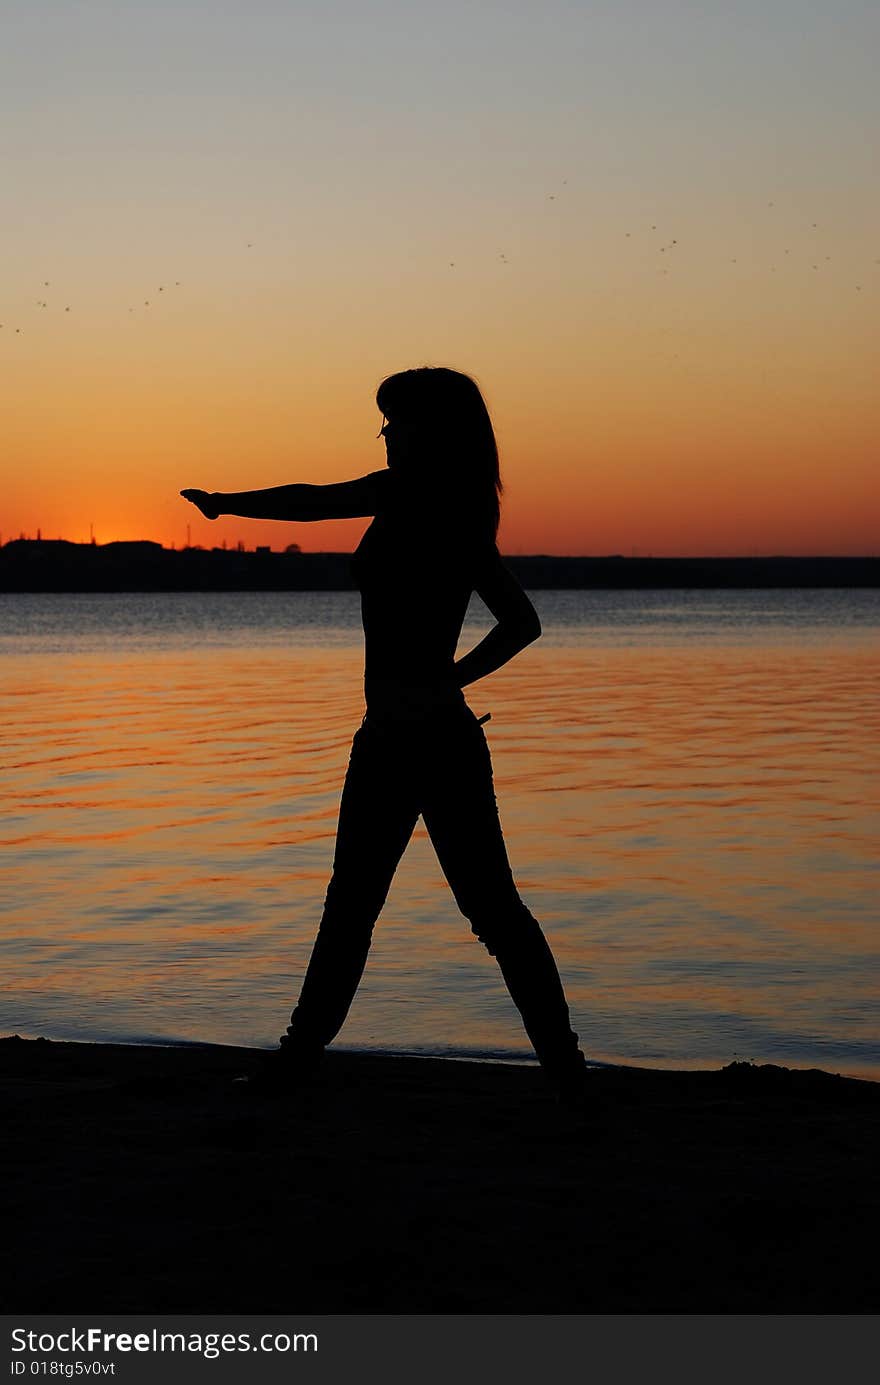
[
  {"x": 381, "y": 486},
  {"x": 432, "y": 520}
]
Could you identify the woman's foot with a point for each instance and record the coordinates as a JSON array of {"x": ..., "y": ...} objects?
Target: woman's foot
[
  {"x": 569, "y": 1084},
  {"x": 283, "y": 1069}
]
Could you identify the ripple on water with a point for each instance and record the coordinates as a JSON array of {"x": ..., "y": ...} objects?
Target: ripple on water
[{"x": 686, "y": 782}]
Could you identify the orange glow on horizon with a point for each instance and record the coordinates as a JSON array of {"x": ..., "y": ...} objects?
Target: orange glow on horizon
[
  {"x": 673, "y": 316},
  {"x": 622, "y": 455}
]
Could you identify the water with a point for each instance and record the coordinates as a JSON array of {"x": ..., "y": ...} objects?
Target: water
[{"x": 687, "y": 782}]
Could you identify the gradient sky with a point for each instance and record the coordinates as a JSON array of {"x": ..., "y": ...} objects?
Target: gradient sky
[{"x": 649, "y": 228}]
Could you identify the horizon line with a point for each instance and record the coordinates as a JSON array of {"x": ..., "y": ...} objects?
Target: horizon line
[{"x": 296, "y": 552}]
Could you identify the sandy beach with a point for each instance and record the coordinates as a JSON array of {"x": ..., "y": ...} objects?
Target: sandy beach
[{"x": 140, "y": 1179}]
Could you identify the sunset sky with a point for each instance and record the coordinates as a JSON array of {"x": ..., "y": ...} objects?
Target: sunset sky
[{"x": 649, "y": 228}]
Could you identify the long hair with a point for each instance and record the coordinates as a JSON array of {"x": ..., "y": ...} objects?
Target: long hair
[{"x": 457, "y": 447}]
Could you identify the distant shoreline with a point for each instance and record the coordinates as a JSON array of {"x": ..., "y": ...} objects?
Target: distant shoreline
[{"x": 43, "y": 565}]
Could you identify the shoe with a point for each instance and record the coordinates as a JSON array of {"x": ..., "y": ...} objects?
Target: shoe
[
  {"x": 280, "y": 1071},
  {"x": 570, "y": 1084}
]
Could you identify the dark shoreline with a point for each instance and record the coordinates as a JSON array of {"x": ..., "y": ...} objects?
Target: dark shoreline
[
  {"x": 141, "y": 1179},
  {"x": 31, "y": 565}
]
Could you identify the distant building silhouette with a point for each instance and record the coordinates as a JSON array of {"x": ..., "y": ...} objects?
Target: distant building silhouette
[{"x": 143, "y": 565}]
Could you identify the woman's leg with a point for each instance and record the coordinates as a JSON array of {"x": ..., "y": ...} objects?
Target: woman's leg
[
  {"x": 377, "y": 814},
  {"x": 461, "y": 816}
]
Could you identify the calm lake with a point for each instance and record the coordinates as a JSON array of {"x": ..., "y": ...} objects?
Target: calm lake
[{"x": 688, "y": 784}]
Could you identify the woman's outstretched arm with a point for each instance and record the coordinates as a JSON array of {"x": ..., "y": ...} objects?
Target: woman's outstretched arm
[
  {"x": 518, "y": 623},
  {"x": 344, "y": 500}
]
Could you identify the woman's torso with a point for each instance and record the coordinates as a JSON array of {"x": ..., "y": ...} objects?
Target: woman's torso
[{"x": 415, "y": 575}]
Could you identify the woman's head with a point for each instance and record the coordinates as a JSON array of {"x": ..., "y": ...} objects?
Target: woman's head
[{"x": 439, "y": 429}]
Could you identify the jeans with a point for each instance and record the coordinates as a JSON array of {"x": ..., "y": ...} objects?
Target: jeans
[{"x": 440, "y": 768}]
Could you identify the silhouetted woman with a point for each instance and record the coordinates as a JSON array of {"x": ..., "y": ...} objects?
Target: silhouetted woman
[{"x": 420, "y": 749}]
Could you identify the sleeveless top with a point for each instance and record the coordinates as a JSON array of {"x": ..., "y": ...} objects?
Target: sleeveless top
[{"x": 415, "y": 567}]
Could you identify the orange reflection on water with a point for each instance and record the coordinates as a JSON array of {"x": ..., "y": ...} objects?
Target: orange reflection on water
[{"x": 694, "y": 827}]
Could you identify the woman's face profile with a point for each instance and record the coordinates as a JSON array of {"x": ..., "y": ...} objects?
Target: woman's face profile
[{"x": 400, "y": 442}]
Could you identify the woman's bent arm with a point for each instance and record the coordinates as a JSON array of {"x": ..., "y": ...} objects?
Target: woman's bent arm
[
  {"x": 495, "y": 649},
  {"x": 518, "y": 623}
]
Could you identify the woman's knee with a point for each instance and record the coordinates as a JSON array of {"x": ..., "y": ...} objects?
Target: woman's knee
[
  {"x": 502, "y": 924},
  {"x": 352, "y": 905}
]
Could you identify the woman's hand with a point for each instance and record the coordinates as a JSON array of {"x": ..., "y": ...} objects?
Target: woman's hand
[{"x": 206, "y": 501}]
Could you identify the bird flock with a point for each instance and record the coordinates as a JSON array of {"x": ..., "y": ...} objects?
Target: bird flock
[
  {"x": 43, "y": 303},
  {"x": 672, "y": 243},
  {"x": 667, "y": 247}
]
